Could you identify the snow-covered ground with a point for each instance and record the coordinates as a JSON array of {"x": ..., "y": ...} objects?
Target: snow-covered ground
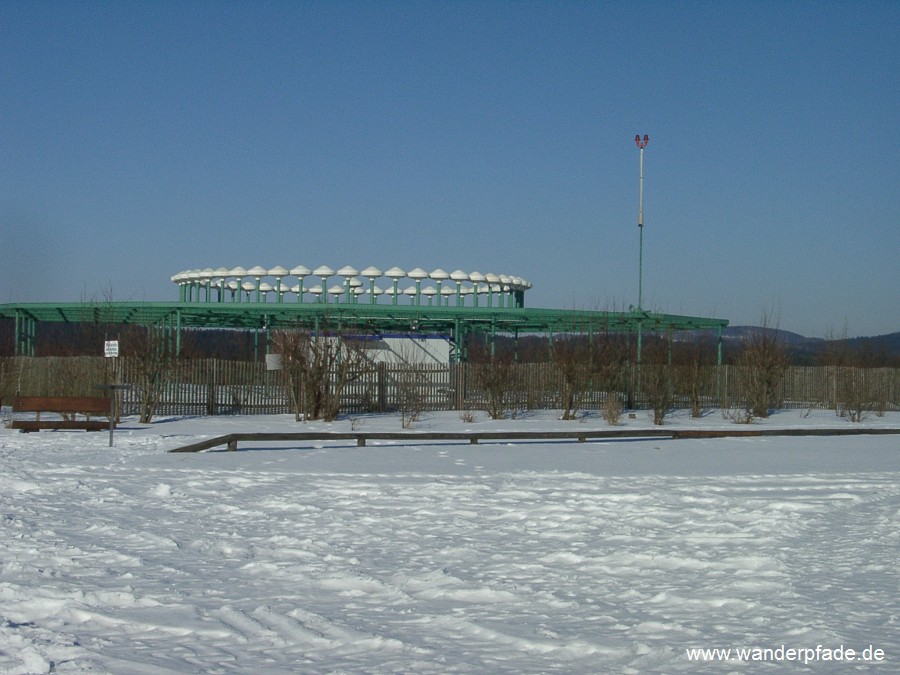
[{"x": 606, "y": 556}]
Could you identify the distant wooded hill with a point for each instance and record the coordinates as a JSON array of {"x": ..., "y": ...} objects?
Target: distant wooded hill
[{"x": 878, "y": 350}]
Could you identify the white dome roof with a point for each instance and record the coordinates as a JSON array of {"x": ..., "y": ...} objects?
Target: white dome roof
[{"x": 480, "y": 283}]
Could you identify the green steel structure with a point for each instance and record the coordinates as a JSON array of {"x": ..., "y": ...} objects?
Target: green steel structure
[
  {"x": 261, "y": 299},
  {"x": 361, "y": 318}
]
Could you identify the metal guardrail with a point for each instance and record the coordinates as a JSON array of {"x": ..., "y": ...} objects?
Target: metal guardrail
[{"x": 474, "y": 437}]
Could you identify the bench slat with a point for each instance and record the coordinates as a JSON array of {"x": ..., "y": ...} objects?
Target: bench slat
[
  {"x": 94, "y": 405},
  {"x": 35, "y": 425}
]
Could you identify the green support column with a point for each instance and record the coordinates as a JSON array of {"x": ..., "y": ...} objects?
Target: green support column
[
  {"x": 719, "y": 364},
  {"x": 25, "y": 332},
  {"x": 16, "y": 345},
  {"x": 493, "y": 332},
  {"x": 719, "y": 347},
  {"x": 178, "y": 332}
]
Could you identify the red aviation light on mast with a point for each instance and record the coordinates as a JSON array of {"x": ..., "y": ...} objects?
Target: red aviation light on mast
[{"x": 641, "y": 144}]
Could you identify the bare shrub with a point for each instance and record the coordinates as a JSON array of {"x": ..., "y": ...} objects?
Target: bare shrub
[
  {"x": 7, "y": 370},
  {"x": 856, "y": 391},
  {"x": 611, "y": 366},
  {"x": 656, "y": 377},
  {"x": 694, "y": 373},
  {"x": 761, "y": 364},
  {"x": 741, "y": 415},
  {"x": 467, "y": 416},
  {"x": 316, "y": 369},
  {"x": 853, "y": 404},
  {"x": 493, "y": 372},
  {"x": 411, "y": 383},
  {"x": 153, "y": 358},
  {"x": 588, "y": 363},
  {"x": 612, "y": 409},
  {"x": 573, "y": 357},
  {"x": 412, "y": 400},
  {"x": 294, "y": 349}
]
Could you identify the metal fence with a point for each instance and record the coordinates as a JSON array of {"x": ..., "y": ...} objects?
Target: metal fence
[{"x": 221, "y": 387}]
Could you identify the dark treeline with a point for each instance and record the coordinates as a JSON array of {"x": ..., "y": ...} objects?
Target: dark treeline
[{"x": 67, "y": 339}]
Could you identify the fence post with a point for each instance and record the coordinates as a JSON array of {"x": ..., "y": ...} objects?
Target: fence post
[
  {"x": 380, "y": 386},
  {"x": 211, "y": 388}
]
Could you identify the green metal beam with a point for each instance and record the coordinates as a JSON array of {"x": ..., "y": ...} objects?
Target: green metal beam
[{"x": 351, "y": 316}]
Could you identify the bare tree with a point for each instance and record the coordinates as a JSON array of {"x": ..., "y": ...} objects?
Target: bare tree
[
  {"x": 656, "y": 376},
  {"x": 153, "y": 355},
  {"x": 573, "y": 357},
  {"x": 6, "y": 378},
  {"x": 760, "y": 369},
  {"x": 317, "y": 368},
  {"x": 493, "y": 372},
  {"x": 293, "y": 348},
  {"x": 854, "y": 383},
  {"x": 694, "y": 373},
  {"x": 611, "y": 364},
  {"x": 411, "y": 383},
  {"x": 856, "y": 392}
]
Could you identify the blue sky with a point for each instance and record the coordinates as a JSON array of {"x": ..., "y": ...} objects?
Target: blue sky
[{"x": 140, "y": 139}]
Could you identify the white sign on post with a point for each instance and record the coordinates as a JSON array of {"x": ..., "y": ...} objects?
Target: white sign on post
[{"x": 111, "y": 348}]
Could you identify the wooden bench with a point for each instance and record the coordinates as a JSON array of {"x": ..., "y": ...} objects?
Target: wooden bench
[{"x": 84, "y": 405}]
